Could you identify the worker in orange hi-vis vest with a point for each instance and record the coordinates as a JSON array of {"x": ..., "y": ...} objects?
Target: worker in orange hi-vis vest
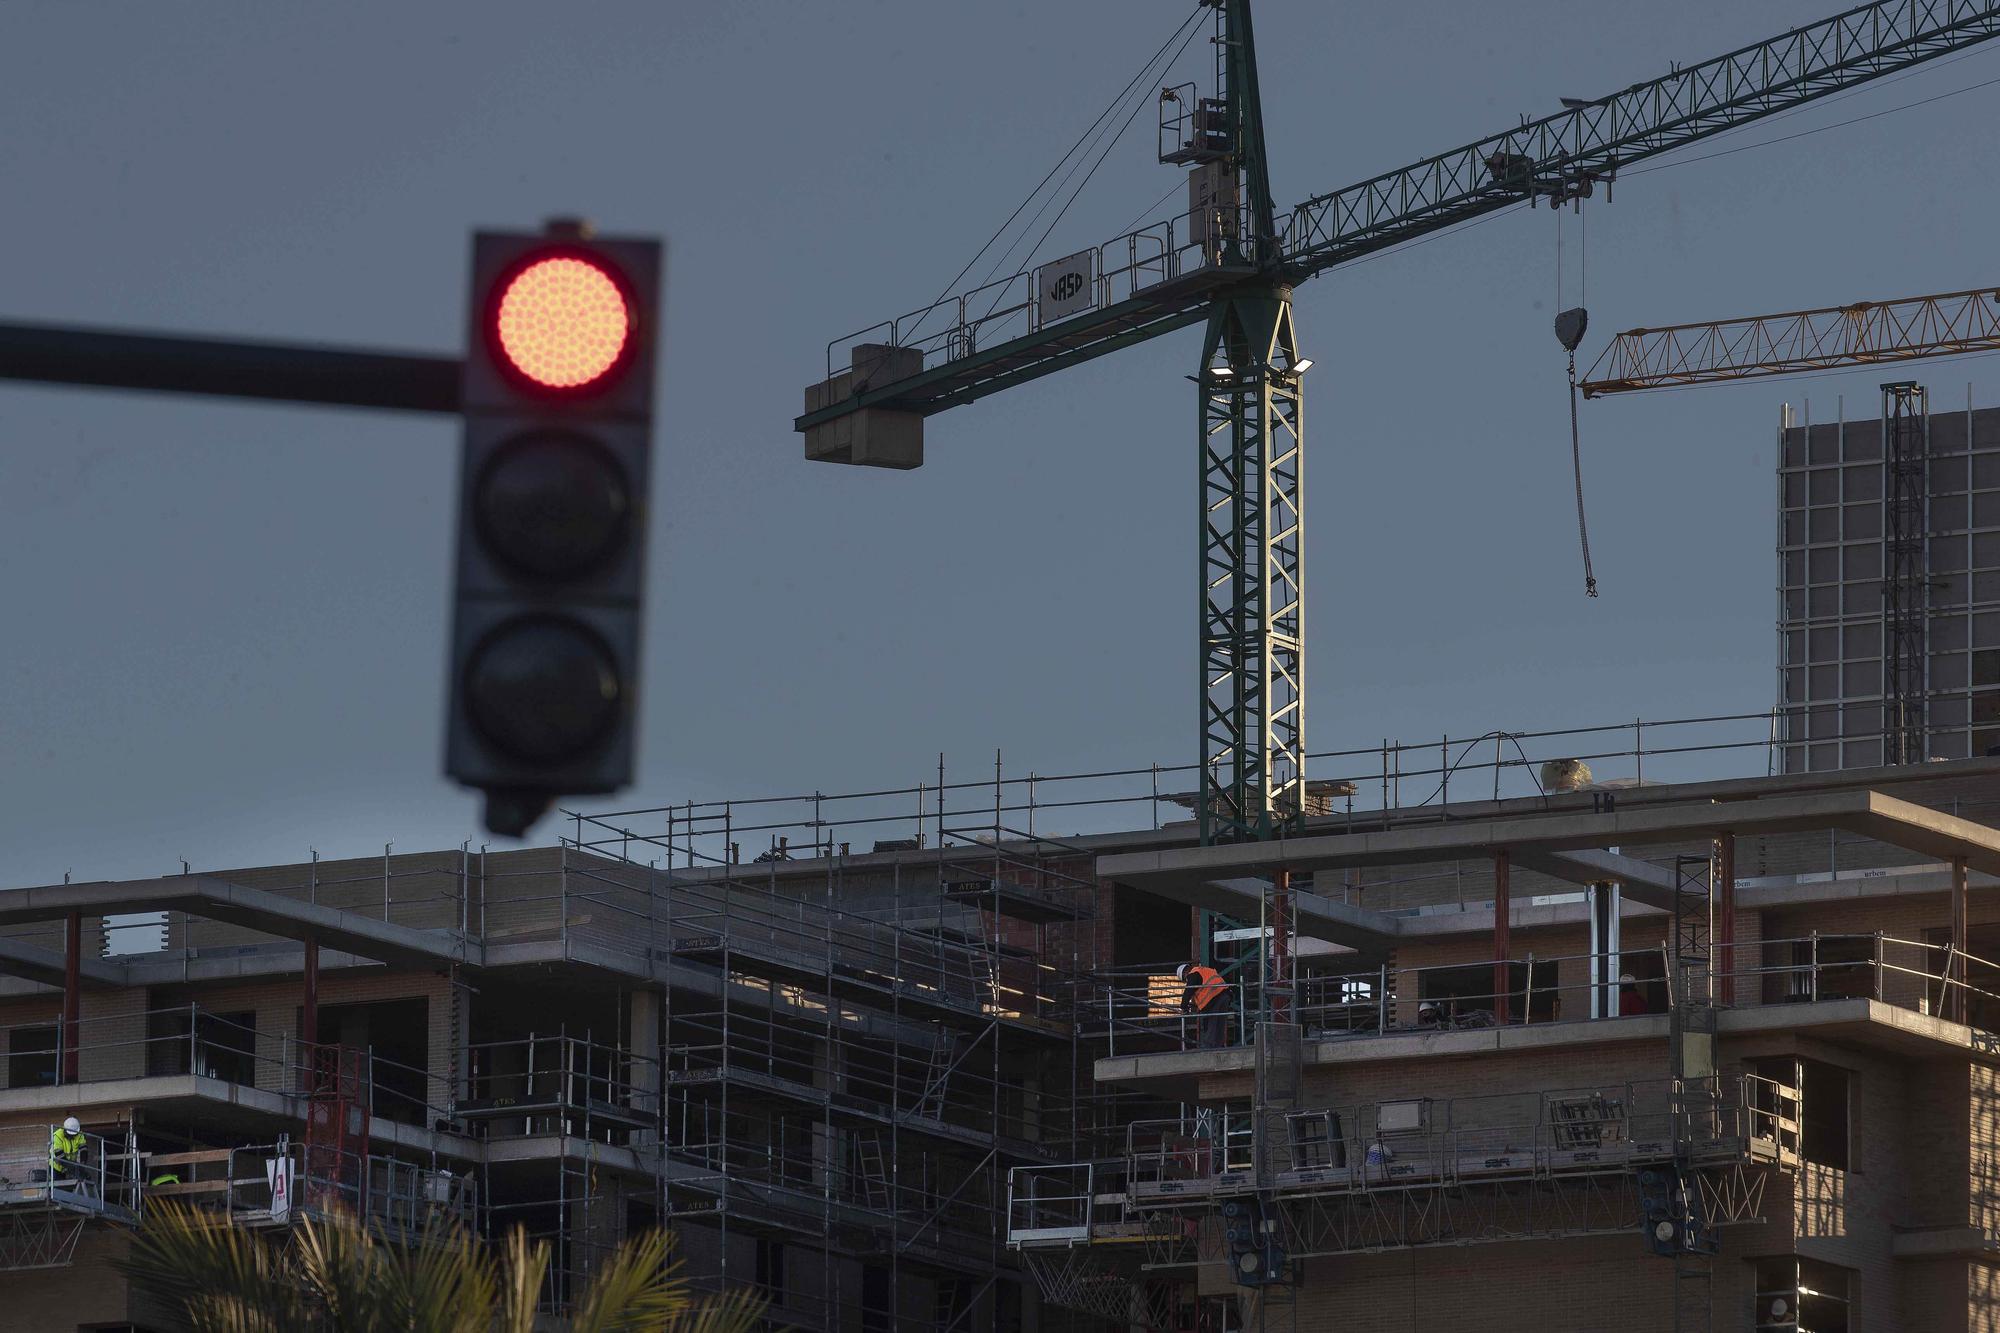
[{"x": 1207, "y": 998}]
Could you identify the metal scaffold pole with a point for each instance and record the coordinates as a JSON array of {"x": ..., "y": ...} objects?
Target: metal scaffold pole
[{"x": 1906, "y": 568}]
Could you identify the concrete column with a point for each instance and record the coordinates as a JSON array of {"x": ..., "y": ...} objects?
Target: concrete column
[
  {"x": 642, "y": 1039},
  {"x": 309, "y": 1002},
  {"x": 72, "y": 998},
  {"x": 1604, "y": 949},
  {"x": 1503, "y": 910}
]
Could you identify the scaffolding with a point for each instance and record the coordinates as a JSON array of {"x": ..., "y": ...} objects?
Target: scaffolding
[
  {"x": 854, "y": 1069},
  {"x": 859, "y": 1048}
]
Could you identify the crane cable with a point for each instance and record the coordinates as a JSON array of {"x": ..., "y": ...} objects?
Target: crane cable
[
  {"x": 1576, "y": 464},
  {"x": 1570, "y": 325},
  {"x": 1087, "y": 137}
]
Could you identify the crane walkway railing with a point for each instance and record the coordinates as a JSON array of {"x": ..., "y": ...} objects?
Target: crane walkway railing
[{"x": 1131, "y": 265}]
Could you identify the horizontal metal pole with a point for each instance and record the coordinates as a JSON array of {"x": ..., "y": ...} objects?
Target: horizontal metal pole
[{"x": 279, "y": 372}]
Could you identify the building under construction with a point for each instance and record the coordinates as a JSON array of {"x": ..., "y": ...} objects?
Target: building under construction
[
  {"x": 1663, "y": 1025},
  {"x": 1540, "y": 1040}
]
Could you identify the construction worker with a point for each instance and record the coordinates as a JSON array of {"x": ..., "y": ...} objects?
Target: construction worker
[
  {"x": 1207, "y": 998},
  {"x": 66, "y": 1144}
]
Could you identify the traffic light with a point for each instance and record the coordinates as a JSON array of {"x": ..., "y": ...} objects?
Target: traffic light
[{"x": 557, "y": 398}]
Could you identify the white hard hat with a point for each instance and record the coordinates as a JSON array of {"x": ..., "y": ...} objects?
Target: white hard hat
[
  {"x": 1182, "y": 970},
  {"x": 70, "y": 1126},
  {"x": 1626, "y": 980}
]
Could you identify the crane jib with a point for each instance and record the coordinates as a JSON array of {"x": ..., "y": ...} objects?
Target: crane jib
[
  {"x": 1565, "y": 152},
  {"x": 1167, "y": 284}
]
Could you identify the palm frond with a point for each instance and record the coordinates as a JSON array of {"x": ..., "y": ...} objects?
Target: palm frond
[
  {"x": 443, "y": 1282},
  {"x": 335, "y": 1260},
  {"x": 740, "y": 1310},
  {"x": 224, "y": 1278},
  {"x": 523, "y": 1264},
  {"x": 632, "y": 1290}
]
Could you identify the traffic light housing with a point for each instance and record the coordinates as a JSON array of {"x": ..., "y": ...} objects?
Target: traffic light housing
[{"x": 557, "y": 398}]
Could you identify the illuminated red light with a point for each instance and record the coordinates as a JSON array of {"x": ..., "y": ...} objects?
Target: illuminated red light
[{"x": 563, "y": 322}]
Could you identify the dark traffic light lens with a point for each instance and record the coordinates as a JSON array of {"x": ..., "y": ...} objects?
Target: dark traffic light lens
[
  {"x": 552, "y": 505},
  {"x": 543, "y": 689}
]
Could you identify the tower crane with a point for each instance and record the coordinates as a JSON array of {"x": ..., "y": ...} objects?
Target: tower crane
[
  {"x": 1230, "y": 263},
  {"x": 1866, "y": 333}
]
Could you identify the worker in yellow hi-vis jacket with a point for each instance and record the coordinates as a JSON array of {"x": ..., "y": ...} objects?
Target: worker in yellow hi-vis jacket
[{"x": 66, "y": 1145}]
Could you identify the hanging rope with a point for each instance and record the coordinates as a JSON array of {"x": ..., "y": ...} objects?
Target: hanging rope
[
  {"x": 1576, "y": 464},
  {"x": 1570, "y": 325}
]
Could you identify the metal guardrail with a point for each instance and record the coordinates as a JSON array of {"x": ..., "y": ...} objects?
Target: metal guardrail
[
  {"x": 950, "y": 1082},
  {"x": 1409, "y": 1143},
  {"x": 728, "y": 1156},
  {"x": 548, "y": 1081},
  {"x": 1420, "y": 1141},
  {"x": 961, "y": 819},
  {"x": 404, "y": 1197},
  {"x": 1121, "y": 268},
  {"x": 103, "y": 1179},
  {"x": 1142, "y": 1008}
]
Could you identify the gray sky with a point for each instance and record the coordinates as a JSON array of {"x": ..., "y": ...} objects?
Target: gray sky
[{"x": 224, "y": 623}]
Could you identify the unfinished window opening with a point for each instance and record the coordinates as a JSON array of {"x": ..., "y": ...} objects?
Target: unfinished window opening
[
  {"x": 1647, "y": 991},
  {"x": 1337, "y": 1003},
  {"x": 1826, "y": 1092},
  {"x": 877, "y": 1299},
  {"x": 1982, "y": 973},
  {"x": 396, "y": 1035},
  {"x": 1795, "y": 1295},
  {"x": 1463, "y": 996},
  {"x": 31, "y": 1057},
  {"x": 770, "y": 1268},
  {"x": 190, "y": 1041},
  {"x": 1833, "y": 967}
]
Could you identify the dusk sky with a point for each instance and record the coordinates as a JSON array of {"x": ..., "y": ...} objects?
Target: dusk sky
[{"x": 224, "y": 624}]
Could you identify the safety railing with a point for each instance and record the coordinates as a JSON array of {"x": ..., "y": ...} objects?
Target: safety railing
[
  {"x": 1011, "y": 307},
  {"x": 269, "y": 1184},
  {"x": 189, "y": 1039},
  {"x": 1930, "y": 977},
  {"x": 1464, "y": 1140},
  {"x": 1149, "y": 1008},
  {"x": 102, "y": 1177},
  {"x": 959, "y": 818},
  {"x": 544, "y": 1083},
  {"x": 923, "y": 1075},
  {"x": 856, "y": 1176},
  {"x": 1051, "y": 1205},
  {"x": 1199, "y": 1144},
  {"x": 948, "y": 961},
  {"x": 1146, "y": 1008}
]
